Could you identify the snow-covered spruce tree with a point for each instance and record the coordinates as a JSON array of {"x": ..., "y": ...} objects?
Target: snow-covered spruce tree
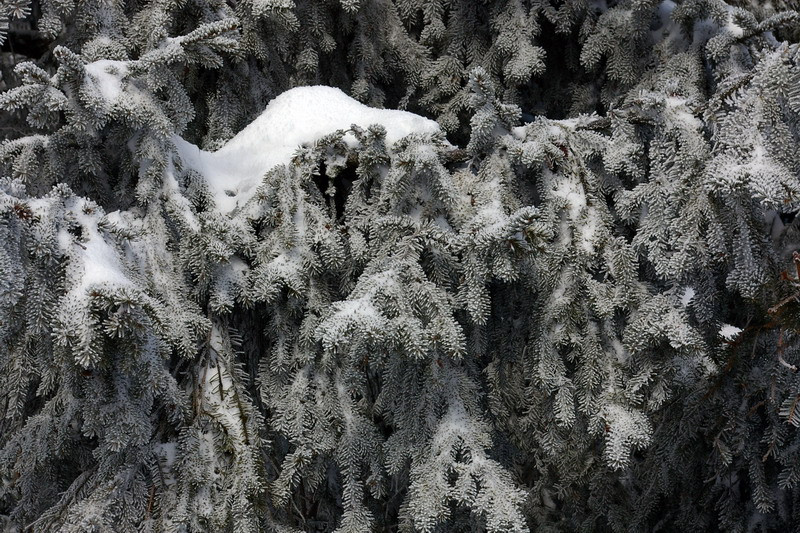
[{"x": 231, "y": 302}]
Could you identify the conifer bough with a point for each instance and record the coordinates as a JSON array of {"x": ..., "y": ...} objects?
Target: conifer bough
[{"x": 409, "y": 265}]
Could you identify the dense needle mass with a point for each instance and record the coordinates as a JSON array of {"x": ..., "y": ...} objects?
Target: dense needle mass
[{"x": 407, "y": 265}]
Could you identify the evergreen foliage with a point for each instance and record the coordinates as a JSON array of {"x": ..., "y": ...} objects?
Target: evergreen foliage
[{"x": 229, "y": 302}]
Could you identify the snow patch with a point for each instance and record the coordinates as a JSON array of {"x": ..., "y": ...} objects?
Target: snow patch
[
  {"x": 688, "y": 294},
  {"x": 359, "y": 307},
  {"x": 299, "y": 116},
  {"x": 619, "y": 350},
  {"x": 729, "y": 332},
  {"x": 588, "y": 230},
  {"x": 585, "y": 218},
  {"x": 573, "y": 195},
  {"x": 681, "y": 113},
  {"x": 519, "y": 132},
  {"x": 166, "y": 454},
  {"x": 97, "y": 260},
  {"x": 106, "y": 75}
]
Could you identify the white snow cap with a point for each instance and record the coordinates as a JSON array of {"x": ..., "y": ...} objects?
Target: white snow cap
[
  {"x": 300, "y": 115},
  {"x": 729, "y": 332}
]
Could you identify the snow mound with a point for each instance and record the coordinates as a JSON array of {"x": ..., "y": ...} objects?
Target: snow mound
[{"x": 298, "y": 116}]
